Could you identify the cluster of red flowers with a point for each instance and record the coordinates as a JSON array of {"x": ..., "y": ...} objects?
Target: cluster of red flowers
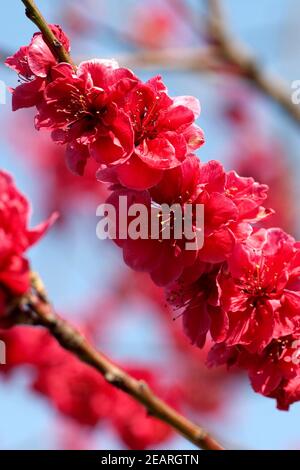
[
  {"x": 102, "y": 111},
  {"x": 83, "y": 395},
  {"x": 15, "y": 239},
  {"x": 242, "y": 287}
]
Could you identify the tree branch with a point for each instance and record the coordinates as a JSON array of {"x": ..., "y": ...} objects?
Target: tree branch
[
  {"x": 199, "y": 59},
  {"x": 34, "y": 14},
  {"x": 234, "y": 54},
  {"x": 41, "y": 313}
]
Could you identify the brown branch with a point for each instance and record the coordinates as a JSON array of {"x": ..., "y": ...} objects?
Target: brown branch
[
  {"x": 34, "y": 14},
  {"x": 234, "y": 54},
  {"x": 42, "y": 314}
]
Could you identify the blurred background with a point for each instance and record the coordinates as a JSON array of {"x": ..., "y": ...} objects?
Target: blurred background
[{"x": 87, "y": 279}]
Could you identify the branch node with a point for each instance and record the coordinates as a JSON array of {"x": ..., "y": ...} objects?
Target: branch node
[
  {"x": 57, "y": 44},
  {"x": 114, "y": 379}
]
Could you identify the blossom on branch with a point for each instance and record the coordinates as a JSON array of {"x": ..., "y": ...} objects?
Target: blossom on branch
[
  {"x": 274, "y": 372},
  {"x": 33, "y": 64},
  {"x": 240, "y": 287},
  {"x": 102, "y": 111}
]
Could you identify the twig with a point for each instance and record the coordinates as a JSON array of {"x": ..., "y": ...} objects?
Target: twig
[
  {"x": 71, "y": 339},
  {"x": 191, "y": 59},
  {"x": 34, "y": 14},
  {"x": 234, "y": 54},
  {"x": 184, "y": 12}
]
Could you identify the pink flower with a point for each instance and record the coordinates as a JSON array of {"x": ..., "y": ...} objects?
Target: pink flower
[
  {"x": 178, "y": 185},
  {"x": 33, "y": 64},
  {"x": 164, "y": 259},
  {"x": 260, "y": 290},
  {"x": 274, "y": 372},
  {"x": 231, "y": 205},
  {"x": 164, "y": 133},
  {"x": 83, "y": 110},
  {"x": 106, "y": 112},
  {"x": 196, "y": 296}
]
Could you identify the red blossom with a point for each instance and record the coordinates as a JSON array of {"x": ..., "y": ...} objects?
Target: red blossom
[
  {"x": 165, "y": 134},
  {"x": 260, "y": 291},
  {"x": 15, "y": 239},
  {"x": 231, "y": 205},
  {"x": 274, "y": 372},
  {"x": 101, "y": 110},
  {"x": 33, "y": 64},
  {"x": 196, "y": 296},
  {"x": 23, "y": 347},
  {"x": 164, "y": 129},
  {"x": 82, "y": 395},
  {"x": 82, "y": 109},
  {"x": 163, "y": 259}
]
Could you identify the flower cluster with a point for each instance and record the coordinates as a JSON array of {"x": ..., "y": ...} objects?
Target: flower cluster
[
  {"x": 15, "y": 239},
  {"x": 242, "y": 286},
  {"x": 251, "y": 306},
  {"x": 102, "y": 111}
]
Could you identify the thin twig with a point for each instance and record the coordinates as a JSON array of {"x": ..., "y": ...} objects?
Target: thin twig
[
  {"x": 71, "y": 339},
  {"x": 34, "y": 14},
  {"x": 192, "y": 59},
  {"x": 234, "y": 54}
]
